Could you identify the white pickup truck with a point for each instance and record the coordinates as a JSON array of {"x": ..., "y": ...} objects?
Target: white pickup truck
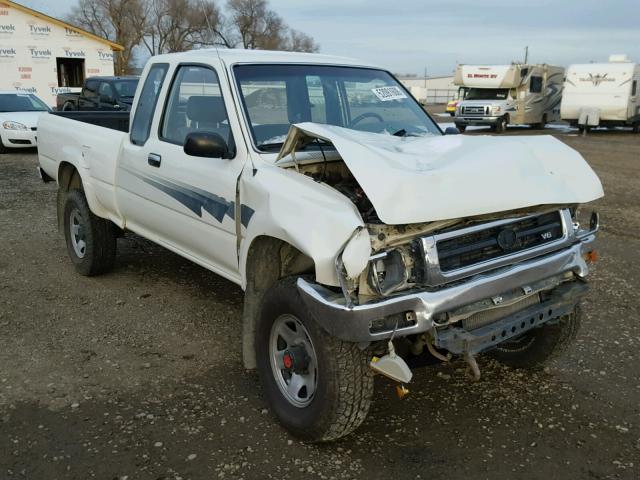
[{"x": 364, "y": 238}]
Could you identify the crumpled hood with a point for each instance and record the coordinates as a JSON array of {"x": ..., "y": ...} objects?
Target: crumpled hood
[{"x": 424, "y": 179}]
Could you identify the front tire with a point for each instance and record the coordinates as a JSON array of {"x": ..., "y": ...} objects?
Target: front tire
[
  {"x": 534, "y": 349},
  {"x": 501, "y": 125},
  {"x": 3, "y": 149},
  {"x": 68, "y": 107},
  {"x": 461, "y": 128},
  {"x": 318, "y": 387},
  {"x": 91, "y": 240}
]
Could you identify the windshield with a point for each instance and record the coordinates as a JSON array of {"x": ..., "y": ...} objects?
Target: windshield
[
  {"x": 487, "y": 94},
  {"x": 126, "y": 88},
  {"x": 21, "y": 102},
  {"x": 275, "y": 96}
]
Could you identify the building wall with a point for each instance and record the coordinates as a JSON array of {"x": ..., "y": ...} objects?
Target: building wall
[
  {"x": 438, "y": 89},
  {"x": 29, "y": 47}
]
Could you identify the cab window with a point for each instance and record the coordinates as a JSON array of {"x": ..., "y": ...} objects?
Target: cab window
[
  {"x": 90, "y": 91},
  {"x": 536, "y": 85},
  {"x": 106, "y": 93},
  {"x": 195, "y": 104}
]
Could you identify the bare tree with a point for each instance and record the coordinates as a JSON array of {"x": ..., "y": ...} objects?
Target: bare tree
[
  {"x": 163, "y": 26},
  {"x": 254, "y": 25},
  {"x": 301, "y": 42},
  {"x": 178, "y": 25},
  {"x": 121, "y": 21}
]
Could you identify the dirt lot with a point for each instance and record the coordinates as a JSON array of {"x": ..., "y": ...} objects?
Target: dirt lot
[{"x": 137, "y": 374}]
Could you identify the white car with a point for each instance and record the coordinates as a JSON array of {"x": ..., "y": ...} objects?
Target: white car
[{"x": 19, "y": 113}]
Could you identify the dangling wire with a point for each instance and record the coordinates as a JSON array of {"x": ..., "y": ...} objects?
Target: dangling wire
[{"x": 324, "y": 157}]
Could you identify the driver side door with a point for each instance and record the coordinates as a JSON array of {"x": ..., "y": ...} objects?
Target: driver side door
[{"x": 184, "y": 201}]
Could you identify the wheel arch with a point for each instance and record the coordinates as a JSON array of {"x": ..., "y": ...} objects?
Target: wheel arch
[
  {"x": 268, "y": 260},
  {"x": 70, "y": 177}
]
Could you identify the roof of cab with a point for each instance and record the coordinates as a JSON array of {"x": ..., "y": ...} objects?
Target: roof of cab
[{"x": 231, "y": 56}]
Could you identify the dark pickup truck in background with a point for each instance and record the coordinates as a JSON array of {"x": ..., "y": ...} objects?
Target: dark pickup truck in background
[{"x": 101, "y": 93}]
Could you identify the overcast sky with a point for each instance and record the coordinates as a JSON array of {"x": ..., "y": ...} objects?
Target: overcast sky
[{"x": 408, "y": 35}]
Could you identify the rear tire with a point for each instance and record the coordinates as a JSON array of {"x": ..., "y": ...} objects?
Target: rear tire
[
  {"x": 536, "y": 348},
  {"x": 91, "y": 240},
  {"x": 541, "y": 125},
  {"x": 339, "y": 380}
]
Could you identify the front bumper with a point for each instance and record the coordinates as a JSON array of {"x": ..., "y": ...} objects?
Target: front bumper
[
  {"x": 476, "y": 121},
  {"x": 18, "y": 138},
  {"x": 354, "y": 323}
]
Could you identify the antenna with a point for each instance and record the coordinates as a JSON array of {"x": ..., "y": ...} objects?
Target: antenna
[
  {"x": 211, "y": 32},
  {"x": 526, "y": 54}
]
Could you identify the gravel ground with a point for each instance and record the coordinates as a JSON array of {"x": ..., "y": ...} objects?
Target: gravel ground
[{"x": 137, "y": 374}]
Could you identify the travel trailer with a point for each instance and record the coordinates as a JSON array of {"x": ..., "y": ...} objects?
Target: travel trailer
[
  {"x": 602, "y": 94},
  {"x": 516, "y": 94}
]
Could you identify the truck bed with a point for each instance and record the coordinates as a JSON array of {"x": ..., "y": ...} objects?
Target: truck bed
[
  {"x": 93, "y": 142},
  {"x": 112, "y": 120}
]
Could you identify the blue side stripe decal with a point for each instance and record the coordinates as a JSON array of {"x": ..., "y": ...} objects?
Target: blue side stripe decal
[{"x": 197, "y": 200}]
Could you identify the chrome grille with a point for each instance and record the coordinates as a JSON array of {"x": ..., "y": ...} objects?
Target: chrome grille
[
  {"x": 474, "y": 110},
  {"x": 498, "y": 240}
]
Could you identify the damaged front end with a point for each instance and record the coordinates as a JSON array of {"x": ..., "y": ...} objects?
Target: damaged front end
[{"x": 459, "y": 286}]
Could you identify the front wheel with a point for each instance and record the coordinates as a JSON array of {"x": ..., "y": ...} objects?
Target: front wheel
[
  {"x": 3, "y": 149},
  {"x": 68, "y": 106},
  {"x": 318, "y": 387},
  {"x": 461, "y": 128},
  {"x": 91, "y": 240},
  {"x": 501, "y": 125},
  {"x": 537, "y": 347}
]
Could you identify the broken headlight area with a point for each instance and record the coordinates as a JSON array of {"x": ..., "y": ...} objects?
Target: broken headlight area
[
  {"x": 585, "y": 222},
  {"x": 392, "y": 270}
]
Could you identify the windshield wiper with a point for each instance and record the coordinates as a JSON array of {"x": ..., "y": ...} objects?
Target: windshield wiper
[
  {"x": 270, "y": 146},
  {"x": 400, "y": 133}
]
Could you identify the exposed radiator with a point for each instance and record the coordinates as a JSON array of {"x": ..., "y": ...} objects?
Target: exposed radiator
[{"x": 487, "y": 317}]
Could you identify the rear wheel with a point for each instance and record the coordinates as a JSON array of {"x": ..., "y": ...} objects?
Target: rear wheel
[
  {"x": 541, "y": 125},
  {"x": 91, "y": 240},
  {"x": 539, "y": 346},
  {"x": 318, "y": 387}
]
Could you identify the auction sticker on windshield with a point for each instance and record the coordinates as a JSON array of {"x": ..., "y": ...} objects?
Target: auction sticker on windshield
[{"x": 388, "y": 93}]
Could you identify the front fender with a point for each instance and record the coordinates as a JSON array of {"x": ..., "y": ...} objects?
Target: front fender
[{"x": 310, "y": 216}]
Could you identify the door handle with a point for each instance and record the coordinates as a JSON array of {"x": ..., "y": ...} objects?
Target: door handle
[{"x": 154, "y": 160}]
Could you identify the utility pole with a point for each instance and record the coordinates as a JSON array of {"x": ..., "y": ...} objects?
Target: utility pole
[{"x": 526, "y": 54}]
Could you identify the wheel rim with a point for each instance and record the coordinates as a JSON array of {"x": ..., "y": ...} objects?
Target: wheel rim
[
  {"x": 77, "y": 231},
  {"x": 293, "y": 360}
]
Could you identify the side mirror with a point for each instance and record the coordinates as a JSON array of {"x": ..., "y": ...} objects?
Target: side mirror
[
  {"x": 205, "y": 144},
  {"x": 451, "y": 131}
]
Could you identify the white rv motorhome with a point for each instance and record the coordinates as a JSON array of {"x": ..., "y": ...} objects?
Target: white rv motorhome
[
  {"x": 517, "y": 94},
  {"x": 602, "y": 94}
]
